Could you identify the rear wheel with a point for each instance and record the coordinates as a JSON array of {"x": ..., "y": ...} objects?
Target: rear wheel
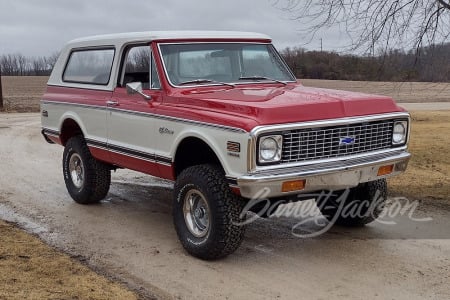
[
  {"x": 356, "y": 207},
  {"x": 87, "y": 179},
  {"x": 206, "y": 213}
]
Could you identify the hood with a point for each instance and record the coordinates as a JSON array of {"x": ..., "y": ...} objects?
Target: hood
[{"x": 286, "y": 104}]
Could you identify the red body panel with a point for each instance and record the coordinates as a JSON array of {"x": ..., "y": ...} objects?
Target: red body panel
[
  {"x": 100, "y": 154},
  {"x": 166, "y": 172},
  {"x": 79, "y": 96},
  {"x": 258, "y": 104}
]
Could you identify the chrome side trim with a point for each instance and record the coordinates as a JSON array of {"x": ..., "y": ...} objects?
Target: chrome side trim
[
  {"x": 46, "y": 134},
  {"x": 51, "y": 132},
  {"x": 150, "y": 115},
  {"x": 98, "y": 107}
]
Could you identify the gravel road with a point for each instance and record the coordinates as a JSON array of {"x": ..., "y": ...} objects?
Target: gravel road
[{"x": 131, "y": 237}]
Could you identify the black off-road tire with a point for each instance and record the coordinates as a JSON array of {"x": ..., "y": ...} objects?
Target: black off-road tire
[
  {"x": 223, "y": 235},
  {"x": 367, "y": 200},
  {"x": 96, "y": 175}
]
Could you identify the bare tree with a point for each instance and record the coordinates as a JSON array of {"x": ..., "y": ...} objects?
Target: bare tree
[
  {"x": 9, "y": 64},
  {"x": 372, "y": 24},
  {"x": 51, "y": 61},
  {"x": 20, "y": 65}
]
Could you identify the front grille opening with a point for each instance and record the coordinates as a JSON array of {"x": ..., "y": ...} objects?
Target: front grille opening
[{"x": 337, "y": 141}]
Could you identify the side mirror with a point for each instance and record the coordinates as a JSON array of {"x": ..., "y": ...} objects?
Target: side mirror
[{"x": 136, "y": 88}]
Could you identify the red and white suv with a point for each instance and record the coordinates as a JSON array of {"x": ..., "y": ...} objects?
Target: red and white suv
[{"x": 222, "y": 115}]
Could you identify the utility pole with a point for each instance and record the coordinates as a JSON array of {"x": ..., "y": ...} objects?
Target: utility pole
[
  {"x": 1, "y": 91},
  {"x": 321, "y": 45}
]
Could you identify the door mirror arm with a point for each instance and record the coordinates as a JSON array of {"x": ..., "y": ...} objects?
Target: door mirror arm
[{"x": 136, "y": 88}]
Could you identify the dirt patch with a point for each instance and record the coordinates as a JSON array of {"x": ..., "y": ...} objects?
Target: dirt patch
[
  {"x": 428, "y": 173},
  {"x": 32, "y": 270}
]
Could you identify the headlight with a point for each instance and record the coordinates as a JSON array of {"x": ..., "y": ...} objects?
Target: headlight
[
  {"x": 400, "y": 132},
  {"x": 270, "y": 148}
]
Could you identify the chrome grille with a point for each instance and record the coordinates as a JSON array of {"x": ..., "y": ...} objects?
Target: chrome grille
[{"x": 336, "y": 141}]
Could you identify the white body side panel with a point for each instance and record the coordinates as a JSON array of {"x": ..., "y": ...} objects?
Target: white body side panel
[{"x": 143, "y": 132}]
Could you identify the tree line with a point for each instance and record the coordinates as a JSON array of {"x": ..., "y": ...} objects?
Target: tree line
[
  {"x": 431, "y": 64},
  {"x": 21, "y": 65}
]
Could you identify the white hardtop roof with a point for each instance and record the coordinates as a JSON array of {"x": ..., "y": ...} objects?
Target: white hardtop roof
[
  {"x": 120, "y": 40},
  {"x": 148, "y": 36}
]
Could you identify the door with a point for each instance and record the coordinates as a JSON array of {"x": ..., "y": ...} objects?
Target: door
[{"x": 131, "y": 124}]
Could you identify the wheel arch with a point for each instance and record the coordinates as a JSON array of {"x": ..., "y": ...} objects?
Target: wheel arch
[
  {"x": 195, "y": 150},
  {"x": 71, "y": 126}
]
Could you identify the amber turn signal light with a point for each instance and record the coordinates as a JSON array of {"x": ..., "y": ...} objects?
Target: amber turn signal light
[
  {"x": 295, "y": 185},
  {"x": 385, "y": 170}
]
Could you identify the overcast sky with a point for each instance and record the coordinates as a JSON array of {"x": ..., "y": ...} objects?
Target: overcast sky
[{"x": 41, "y": 27}]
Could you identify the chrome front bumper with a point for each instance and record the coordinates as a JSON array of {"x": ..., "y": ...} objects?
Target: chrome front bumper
[{"x": 336, "y": 175}]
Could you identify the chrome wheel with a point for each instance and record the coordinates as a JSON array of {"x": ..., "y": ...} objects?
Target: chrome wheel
[
  {"x": 76, "y": 169},
  {"x": 196, "y": 213}
]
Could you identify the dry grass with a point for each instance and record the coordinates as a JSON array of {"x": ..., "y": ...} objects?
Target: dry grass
[
  {"x": 428, "y": 174},
  {"x": 23, "y": 93},
  {"x": 402, "y": 92},
  {"x": 32, "y": 270}
]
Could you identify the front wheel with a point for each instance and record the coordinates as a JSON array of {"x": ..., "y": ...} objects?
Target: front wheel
[
  {"x": 87, "y": 179},
  {"x": 357, "y": 206},
  {"x": 206, "y": 213}
]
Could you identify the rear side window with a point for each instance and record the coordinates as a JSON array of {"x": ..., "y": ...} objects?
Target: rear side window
[{"x": 89, "y": 66}]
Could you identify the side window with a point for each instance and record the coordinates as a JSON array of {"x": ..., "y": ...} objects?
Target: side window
[
  {"x": 139, "y": 65},
  {"x": 89, "y": 66}
]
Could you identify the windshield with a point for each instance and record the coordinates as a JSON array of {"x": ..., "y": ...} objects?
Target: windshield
[{"x": 223, "y": 63}]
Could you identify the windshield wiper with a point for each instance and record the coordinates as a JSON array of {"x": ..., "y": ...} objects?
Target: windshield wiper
[
  {"x": 257, "y": 77},
  {"x": 201, "y": 81}
]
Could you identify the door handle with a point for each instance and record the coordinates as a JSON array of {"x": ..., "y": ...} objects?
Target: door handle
[{"x": 112, "y": 103}]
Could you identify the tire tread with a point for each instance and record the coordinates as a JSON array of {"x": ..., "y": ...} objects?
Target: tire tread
[
  {"x": 227, "y": 236},
  {"x": 97, "y": 173}
]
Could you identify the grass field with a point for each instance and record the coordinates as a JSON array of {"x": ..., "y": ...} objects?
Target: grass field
[
  {"x": 428, "y": 173},
  {"x": 32, "y": 270},
  {"x": 23, "y": 93}
]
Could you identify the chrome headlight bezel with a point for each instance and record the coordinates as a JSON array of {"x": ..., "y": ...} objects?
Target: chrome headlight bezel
[
  {"x": 400, "y": 133},
  {"x": 270, "y": 149}
]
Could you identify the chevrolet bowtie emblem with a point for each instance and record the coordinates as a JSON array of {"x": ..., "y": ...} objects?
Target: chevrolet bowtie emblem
[{"x": 347, "y": 141}]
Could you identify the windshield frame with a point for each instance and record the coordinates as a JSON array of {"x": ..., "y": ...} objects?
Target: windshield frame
[{"x": 235, "y": 83}]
